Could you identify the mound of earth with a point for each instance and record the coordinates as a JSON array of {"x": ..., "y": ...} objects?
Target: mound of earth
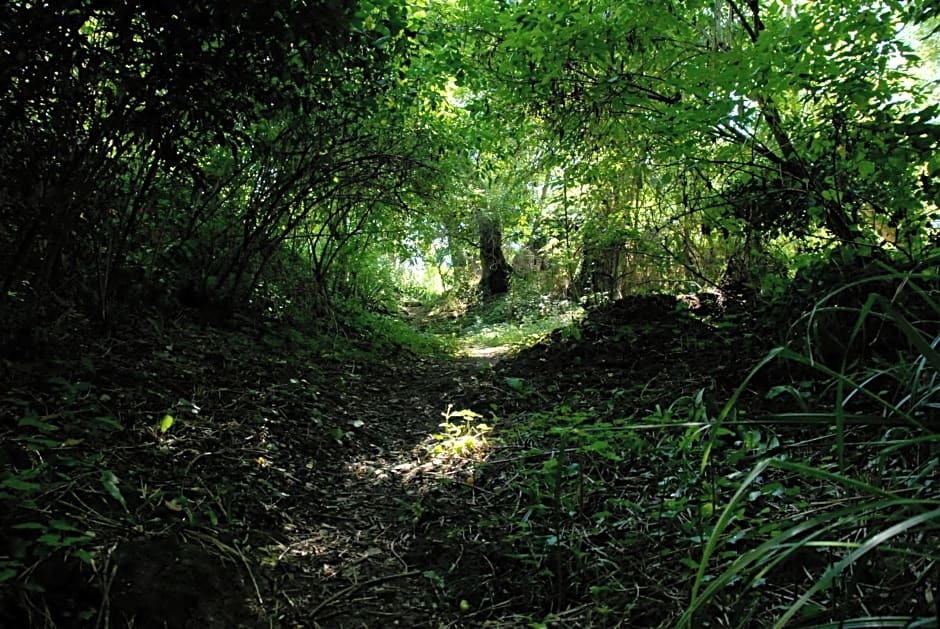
[{"x": 652, "y": 345}]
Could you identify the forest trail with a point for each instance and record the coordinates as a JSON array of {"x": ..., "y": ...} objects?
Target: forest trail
[
  {"x": 354, "y": 555},
  {"x": 306, "y": 487},
  {"x": 284, "y": 482},
  {"x": 220, "y": 228},
  {"x": 254, "y": 477},
  {"x": 406, "y": 523}
]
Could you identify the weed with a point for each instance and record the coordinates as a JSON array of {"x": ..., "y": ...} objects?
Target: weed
[{"x": 466, "y": 440}]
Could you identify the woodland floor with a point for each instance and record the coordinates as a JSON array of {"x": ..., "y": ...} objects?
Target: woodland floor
[{"x": 303, "y": 487}]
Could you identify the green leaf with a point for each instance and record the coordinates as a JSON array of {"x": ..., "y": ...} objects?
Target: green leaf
[
  {"x": 109, "y": 422},
  {"x": 166, "y": 423},
  {"x": 45, "y": 443},
  {"x": 110, "y": 483},
  {"x": 866, "y": 168},
  {"x": 464, "y": 413},
  {"x": 33, "y": 421},
  {"x": 434, "y": 578},
  {"x": 20, "y": 485},
  {"x": 50, "y": 539},
  {"x": 84, "y": 555},
  {"x": 914, "y": 336},
  {"x": 868, "y": 545}
]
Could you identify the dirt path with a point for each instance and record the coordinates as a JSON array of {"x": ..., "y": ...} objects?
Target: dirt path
[
  {"x": 299, "y": 487},
  {"x": 353, "y": 556},
  {"x": 285, "y": 490},
  {"x": 169, "y": 474},
  {"x": 406, "y": 535}
]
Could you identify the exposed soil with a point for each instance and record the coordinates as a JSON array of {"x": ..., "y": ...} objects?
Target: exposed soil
[{"x": 297, "y": 487}]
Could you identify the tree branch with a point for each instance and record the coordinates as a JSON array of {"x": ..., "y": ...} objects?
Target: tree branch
[{"x": 752, "y": 31}]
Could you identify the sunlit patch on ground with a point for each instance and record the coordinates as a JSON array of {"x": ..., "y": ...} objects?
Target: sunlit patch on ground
[
  {"x": 488, "y": 353},
  {"x": 450, "y": 452}
]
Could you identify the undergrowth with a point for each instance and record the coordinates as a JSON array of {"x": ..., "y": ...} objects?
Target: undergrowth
[
  {"x": 379, "y": 333},
  {"x": 502, "y": 322},
  {"x": 826, "y": 517}
]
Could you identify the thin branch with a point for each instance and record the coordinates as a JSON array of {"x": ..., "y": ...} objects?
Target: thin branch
[{"x": 754, "y": 31}]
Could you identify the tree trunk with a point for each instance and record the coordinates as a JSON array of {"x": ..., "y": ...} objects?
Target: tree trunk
[
  {"x": 600, "y": 271},
  {"x": 494, "y": 279}
]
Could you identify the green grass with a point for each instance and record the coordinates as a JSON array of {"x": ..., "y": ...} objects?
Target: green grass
[
  {"x": 515, "y": 335},
  {"x": 827, "y": 517},
  {"x": 874, "y": 508},
  {"x": 508, "y": 324}
]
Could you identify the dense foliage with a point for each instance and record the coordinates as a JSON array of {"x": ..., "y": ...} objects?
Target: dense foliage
[
  {"x": 194, "y": 149},
  {"x": 217, "y": 154}
]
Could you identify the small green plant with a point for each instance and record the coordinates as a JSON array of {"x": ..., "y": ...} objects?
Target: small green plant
[
  {"x": 43, "y": 448},
  {"x": 412, "y": 510},
  {"x": 519, "y": 386},
  {"x": 463, "y": 440},
  {"x": 58, "y": 534}
]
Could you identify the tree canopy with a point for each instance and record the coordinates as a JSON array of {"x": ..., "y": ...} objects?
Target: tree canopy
[{"x": 207, "y": 148}]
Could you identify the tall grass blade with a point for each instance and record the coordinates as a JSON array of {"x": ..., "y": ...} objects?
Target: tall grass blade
[{"x": 836, "y": 569}]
